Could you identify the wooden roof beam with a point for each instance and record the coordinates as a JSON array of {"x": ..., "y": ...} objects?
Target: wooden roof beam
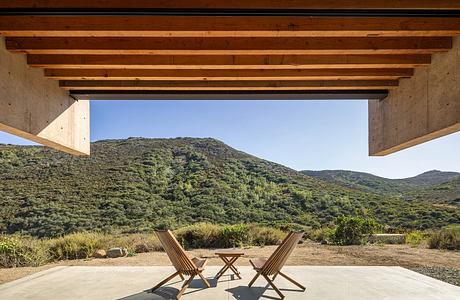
[
  {"x": 224, "y": 26},
  {"x": 232, "y": 46},
  {"x": 235, "y": 4},
  {"x": 228, "y": 85},
  {"x": 302, "y": 74},
  {"x": 227, "y": 61}
]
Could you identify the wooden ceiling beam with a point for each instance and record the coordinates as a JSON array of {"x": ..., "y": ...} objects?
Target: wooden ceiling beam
[
  {"x": 235, "y": 4},
  {"x": 232, "y": 46},
  {"x": 312, "y": 74},
  {"x": 226, "y": 61},
  {"x": 224, "y": 26},
  {"x": 137, "y": 85}
]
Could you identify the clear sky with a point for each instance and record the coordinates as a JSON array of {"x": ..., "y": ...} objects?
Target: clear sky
[{"x": 313, "y": 135}]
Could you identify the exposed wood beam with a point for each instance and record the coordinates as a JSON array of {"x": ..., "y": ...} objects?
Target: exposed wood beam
[
  {"x": 243, "y": 46},
  {"x": 229, "y": 95},
  {"x": 301, "y": 74},
  {"x": 224, "y": 26},
  {"x": 235, "y": 4},
  {"x": 226, "y": 61},
  {"x": 229, "y": 85}
]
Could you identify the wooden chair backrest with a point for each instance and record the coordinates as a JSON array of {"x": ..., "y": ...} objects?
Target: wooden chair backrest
[
  {"x": 279, "y": 257},
  {"x": 176, "y": 253}
]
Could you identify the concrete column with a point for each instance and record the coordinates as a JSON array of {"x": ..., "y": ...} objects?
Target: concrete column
[
  {"x": 424, "y": 107},
  {"x": 35, "y": 108}
]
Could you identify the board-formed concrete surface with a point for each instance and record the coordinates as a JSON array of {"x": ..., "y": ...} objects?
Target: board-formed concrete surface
[{"x": 325, "y": 283}]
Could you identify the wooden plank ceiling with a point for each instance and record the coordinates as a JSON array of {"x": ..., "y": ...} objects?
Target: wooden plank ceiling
[{"x": 257, "y": 45}]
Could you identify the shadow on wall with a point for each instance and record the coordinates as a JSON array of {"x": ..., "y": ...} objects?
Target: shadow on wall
[{"x": 35, "y": 108}]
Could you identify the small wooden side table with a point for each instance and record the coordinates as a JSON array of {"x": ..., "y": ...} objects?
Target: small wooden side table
[{"x": 229, "y": 257}]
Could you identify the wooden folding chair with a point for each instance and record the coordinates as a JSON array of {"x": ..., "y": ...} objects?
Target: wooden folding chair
[
  {"x": 272, "y": 266},
  {"x": 183, "y": 264}
]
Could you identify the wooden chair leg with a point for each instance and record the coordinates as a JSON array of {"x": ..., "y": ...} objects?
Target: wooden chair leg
[
  {"x": 274, "y": 276},
  {"x": 166, "y": 280},
  {"x": 204, "y": 280},
  {"x": 273, "y": 286},
  {"x": 181, "y": 276},
  {"x": 254, "y": 279},
  {"x": 184, "y": 287},
  {"x": 293, "y": 281}
]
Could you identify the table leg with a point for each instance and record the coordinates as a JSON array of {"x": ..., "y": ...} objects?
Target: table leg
[{"x": 228, "y": 265}]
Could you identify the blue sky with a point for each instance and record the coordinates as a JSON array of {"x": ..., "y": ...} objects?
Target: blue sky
[{"x": 312, "y": 135}]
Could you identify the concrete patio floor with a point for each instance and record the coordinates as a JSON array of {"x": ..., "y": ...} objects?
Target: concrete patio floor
[{"x": 132, "y": 283}]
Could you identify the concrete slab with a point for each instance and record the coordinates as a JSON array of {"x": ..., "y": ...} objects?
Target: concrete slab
[{"x": 325, "y": 283}]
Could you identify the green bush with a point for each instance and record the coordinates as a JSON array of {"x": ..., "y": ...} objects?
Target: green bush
[
  {"x": 353, "y": 230},
  {"x": 291, "y": 227},
  {"x": 206, "y": 235},
  {"x": 262, "y": 235},
  {"x": 18, "y": 251},
  {"x": 134, "y": 243},
  {"x": 77, "y": 245},
  {"x": 235, "y": 235},
  {"x": 199, "y": 235},
  {"x": 447, "y": 238},
  {"x": 414, "y": 238},
  {"x": 321, "y": 235},
  {"x": 140, "y": 243}
]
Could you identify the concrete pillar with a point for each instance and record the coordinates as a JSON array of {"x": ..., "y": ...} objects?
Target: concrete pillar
[
  {"x": 424, "y": 107},
  {"x": 35, "y": 108}
]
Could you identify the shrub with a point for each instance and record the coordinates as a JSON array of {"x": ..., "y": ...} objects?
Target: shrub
[
  {"x": 447, "y": 238},
  {"x": 77, "y": 245},
  {"x": 353, "y": 230},
  {"x": 414, "y": 238},
  {"x": 234, "y": 235},
  {"x": 206, "y": 235},
  {"x": 200, "y": 235},
  {"x": 134, "y": 243},
  {"x": 261, "y": 235},
  {"x": 145, "y": 243},
  {"x": 321, "y": 235},
  {"x": 18, "y": 251},
  {"x": 291, "y": 227}
]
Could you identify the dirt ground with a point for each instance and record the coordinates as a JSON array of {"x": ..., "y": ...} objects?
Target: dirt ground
[{"x": 305, "y": 254}]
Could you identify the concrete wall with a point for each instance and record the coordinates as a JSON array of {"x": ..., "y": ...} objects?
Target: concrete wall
[
  {"x": 424, "y": 107},
  {"x": 35, "y": 108}
]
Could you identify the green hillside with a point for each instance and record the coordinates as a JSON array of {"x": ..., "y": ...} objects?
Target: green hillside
[
  {"x": 137, "y": 184},
  {"x": 363, "y": 181},
  {"x": 432, "y": 187},
  {"x": 447, "y": 193}
]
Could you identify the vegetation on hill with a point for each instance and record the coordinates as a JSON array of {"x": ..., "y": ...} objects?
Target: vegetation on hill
[
  {"x": 444, "y": 194},
  {"x": 433, "y": 186},
  {"x": 135, "y": 185},
  {"x": 361, "y": 181}
]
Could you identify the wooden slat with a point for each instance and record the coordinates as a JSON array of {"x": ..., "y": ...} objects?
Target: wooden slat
[
  {"x": 229, "y": 85},
  {"x": 226, "y": 46},
  {"x": 227, "y": 61},
  {"x": 224, "y": 26},
  {"x": 234, "y": 4},
  {"x": 301, "y": 74}
]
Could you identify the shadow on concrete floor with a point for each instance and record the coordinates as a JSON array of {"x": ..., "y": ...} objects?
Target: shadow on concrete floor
[
  {"x": 254, "y": 293},
  {"x": 167, "y": 292},
  {"x": 163, "y": 293}
]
